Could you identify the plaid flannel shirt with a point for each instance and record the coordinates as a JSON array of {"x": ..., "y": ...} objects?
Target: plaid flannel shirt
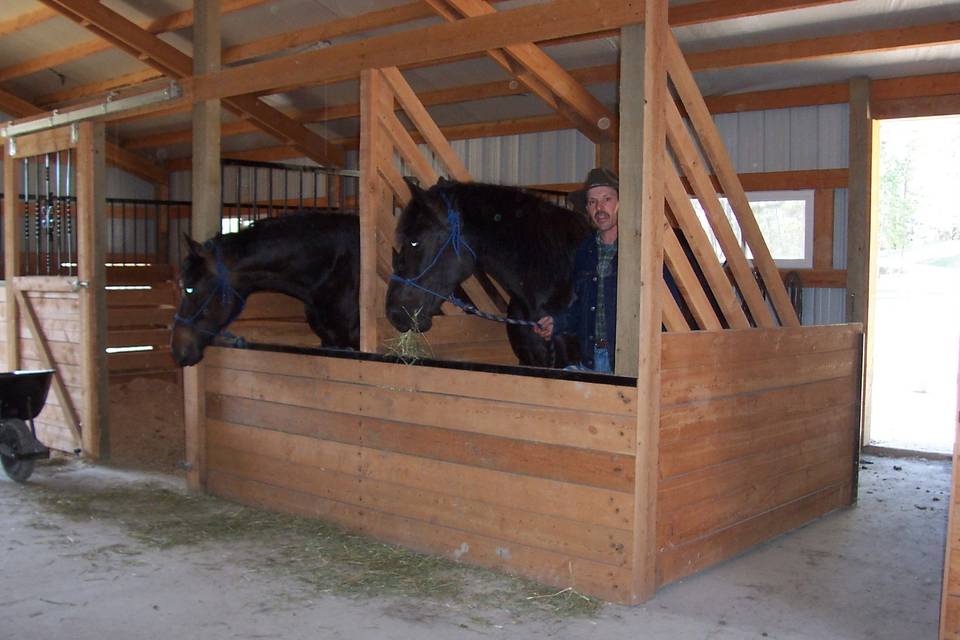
[{"x": 606, "y": 254}]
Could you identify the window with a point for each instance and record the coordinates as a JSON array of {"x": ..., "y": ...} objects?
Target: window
[{"x": 786, "y": 222}]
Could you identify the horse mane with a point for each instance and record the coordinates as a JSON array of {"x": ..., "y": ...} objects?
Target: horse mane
[
  {"x": 298, "y": 229},
  {"x": 540, "y": 235}
]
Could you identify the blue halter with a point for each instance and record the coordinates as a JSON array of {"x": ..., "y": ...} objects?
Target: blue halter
[
  {"x": 455, "y": 239},
  {"x": 225, "y": 291}
]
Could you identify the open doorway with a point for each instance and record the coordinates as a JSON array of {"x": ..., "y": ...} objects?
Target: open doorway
[{"x": 917, "y": 322}]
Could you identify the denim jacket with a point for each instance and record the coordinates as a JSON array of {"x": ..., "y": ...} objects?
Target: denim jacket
[{"x": 580, "y": 318}]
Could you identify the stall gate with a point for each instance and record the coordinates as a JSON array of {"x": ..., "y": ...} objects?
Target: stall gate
[{"x": 53, "y": 316}]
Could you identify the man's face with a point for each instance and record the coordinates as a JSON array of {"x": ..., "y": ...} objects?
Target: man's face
[{"x": 602, "y": 206}]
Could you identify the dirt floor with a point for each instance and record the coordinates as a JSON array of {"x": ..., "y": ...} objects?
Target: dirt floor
[
  {"x": 146, "y": 422},
  {"x": 98, "y": 552}
]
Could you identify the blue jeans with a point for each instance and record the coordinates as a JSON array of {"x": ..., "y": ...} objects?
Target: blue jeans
[{"x": 601, "y": 362}]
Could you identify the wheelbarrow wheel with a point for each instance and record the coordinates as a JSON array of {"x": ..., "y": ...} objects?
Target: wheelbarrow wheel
[{"x": 16, "y": 435}]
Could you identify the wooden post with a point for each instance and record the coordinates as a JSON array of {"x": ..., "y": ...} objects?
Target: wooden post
[
  {"x": 194, "y": 423},
  {"x": 608, "y": 153},
  {"x": 651, "y": 228},
  {"x": 631, "y": 187},
  {"x": 162, "y": 192},
  {"x": 206, "y": 124},
  {"x": 949, "y": 592},
  {"x": 92, "y": 273},
  {"x": 205, "y": 221},
  {"x": 864, "y": 149},
  {"x": 372, "y": 194},
  {"x": 12, "y": 227}
]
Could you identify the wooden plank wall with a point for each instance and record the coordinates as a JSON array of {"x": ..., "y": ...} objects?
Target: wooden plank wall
[
  {"x": 526, "y": 475},
  {"x": 140, "y": 317},
  {"x": 59, "y": 316},
  {"x": 950, "y": 598},
  {"x": 759, "y": 433}
]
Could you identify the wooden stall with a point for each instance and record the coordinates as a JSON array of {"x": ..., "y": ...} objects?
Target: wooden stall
[
  {"x": 731, "y": 427},
  {"x": 726, "y": 424},
  {"x": 535, "y": 475}
]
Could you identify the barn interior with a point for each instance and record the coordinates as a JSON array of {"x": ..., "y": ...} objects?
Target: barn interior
[{"x": 794, "y": 88}]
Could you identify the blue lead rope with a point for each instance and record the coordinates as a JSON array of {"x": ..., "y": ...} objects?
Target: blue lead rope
[{"x": 455, "y": 239}]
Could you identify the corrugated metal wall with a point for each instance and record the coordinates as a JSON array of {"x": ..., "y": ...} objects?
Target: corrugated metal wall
[{"x": 758, "y": 141}]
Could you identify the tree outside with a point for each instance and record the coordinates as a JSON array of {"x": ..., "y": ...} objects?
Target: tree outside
[{"x": 917, "y": 326}]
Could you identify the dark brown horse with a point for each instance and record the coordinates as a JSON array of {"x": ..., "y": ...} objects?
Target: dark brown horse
[
  {"x": 309, "y": 255},
  {"x": 453, "y": 229}
]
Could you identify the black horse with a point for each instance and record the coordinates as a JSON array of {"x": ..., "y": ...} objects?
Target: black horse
[
  {"x": 453, "y": 229},
  {"x": 309, "y": 255}
]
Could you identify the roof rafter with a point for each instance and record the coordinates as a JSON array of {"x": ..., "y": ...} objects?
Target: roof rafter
[
  {"x": 450, "y": 95},
  {"x": 710, "y": 10},
  {"x": 117, "y": 156},
  {"x": 171, "y": 61},
  {"x": 827, "y": 46},
  {"x": 26, "y": 19},
  {"x": 157, "y": 26},
  {"x": 534, "y": 124},
  {"x": 541, "y": 74}
]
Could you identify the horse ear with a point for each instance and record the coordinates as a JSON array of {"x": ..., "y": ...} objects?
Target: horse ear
[
  {"x": 193, "y": 247},
  {"x": 414, "y": 183}
]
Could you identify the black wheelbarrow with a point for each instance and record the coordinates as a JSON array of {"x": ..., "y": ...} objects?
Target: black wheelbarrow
[{"x": 22, "y": 395}]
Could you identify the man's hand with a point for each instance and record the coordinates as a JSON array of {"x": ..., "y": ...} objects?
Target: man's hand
[{"x": 544, "y": 327}]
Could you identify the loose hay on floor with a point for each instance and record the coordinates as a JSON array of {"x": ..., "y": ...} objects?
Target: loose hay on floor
[{"x": 321, "y": 556}]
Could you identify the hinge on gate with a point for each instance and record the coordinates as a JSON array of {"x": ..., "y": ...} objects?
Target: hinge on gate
[
  {"x": 13, "y": 146},
  {"x": 75, "y": 133}
]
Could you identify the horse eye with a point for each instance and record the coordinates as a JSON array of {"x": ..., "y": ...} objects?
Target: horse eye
[
  {"x": 188, "y": 290},
  {"x": 414, "y": 243}
]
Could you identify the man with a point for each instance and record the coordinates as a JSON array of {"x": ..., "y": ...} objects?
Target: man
[{"x": 592, "y": 316}]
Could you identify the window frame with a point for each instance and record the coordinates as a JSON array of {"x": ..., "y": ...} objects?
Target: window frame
[{"x": 806, "y": 195}]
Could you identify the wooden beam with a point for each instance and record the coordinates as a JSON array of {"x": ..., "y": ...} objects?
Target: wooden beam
[
  {"x": 91, "y": 268},
  {"x": 679, "y": 16},
  {"x": 696, "y": 236},
  {"x": 651, "y": 229},
  {"x": 422, "y": 121},
  {"x": 925, "y": 107},
  {"x": 25, "y": 20},
  {"x": 117, "y": 156},
  {"x": 194, "y": 425},
  {"x": 700, "y": 12},
  {"x": 101, "y": 88},
  {"x": 372, "y": 197},
  {"x": 48, "y": 362},
  {"x": 688, "y": 158},
  {"x": 715, "y": 151},
  {"x": 75, "y": 52},
  {"x": 147, "y": 47},
  {"x": 828, "y": 46},
  {"x": 428, "y": 44},
  {"x": 634, "y": 62},
  {"x": 688, "y": 284},
  {"x": 206, "y": 196},
  {"x": 862, "y": 225},
  {"x": 823, "y": 229},
  {"x": 541, "y": 74},
  {"x": 12, "y": 232}
]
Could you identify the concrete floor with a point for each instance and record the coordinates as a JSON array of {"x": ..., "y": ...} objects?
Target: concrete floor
[{"x": 873, "y": 571}]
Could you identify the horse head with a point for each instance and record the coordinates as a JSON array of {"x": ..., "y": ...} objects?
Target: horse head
[
  {"x": 433, "y": 257},
  {"x": 209, "y": 301}
]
